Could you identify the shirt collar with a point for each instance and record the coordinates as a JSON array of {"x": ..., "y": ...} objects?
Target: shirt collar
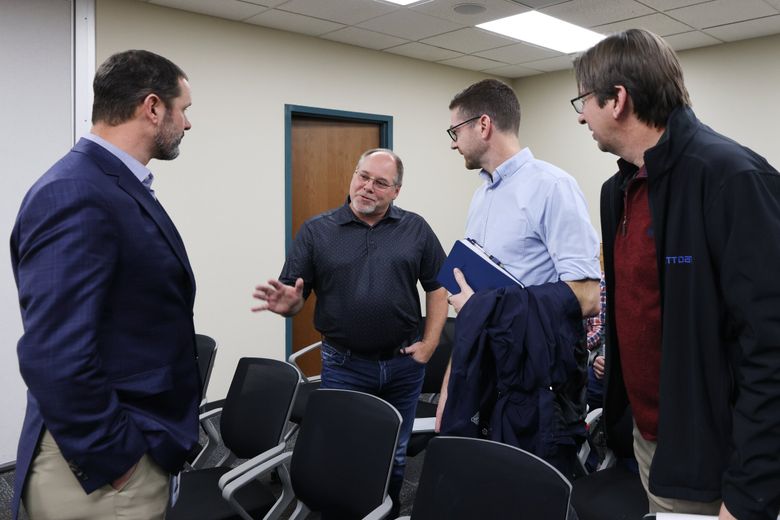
[
  {"x": 508, "y": 167},
  {"x": 344, "y": 215},
  {"x": 140, "y": 171}
]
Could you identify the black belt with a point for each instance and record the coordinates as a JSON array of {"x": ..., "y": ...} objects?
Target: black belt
[{"x": 382, "y": 355}]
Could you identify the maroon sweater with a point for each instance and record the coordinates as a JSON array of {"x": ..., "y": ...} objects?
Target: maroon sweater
[{"x": 637, "y": 306}]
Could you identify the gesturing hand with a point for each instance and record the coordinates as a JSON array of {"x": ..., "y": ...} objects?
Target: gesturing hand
[{"x": 279, "y": 298}]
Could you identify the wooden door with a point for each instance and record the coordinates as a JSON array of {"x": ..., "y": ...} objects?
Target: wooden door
[{"x": 324, "y": 155}]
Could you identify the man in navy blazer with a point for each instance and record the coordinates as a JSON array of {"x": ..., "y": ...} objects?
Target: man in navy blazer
[{"x": 106, "y": 294}]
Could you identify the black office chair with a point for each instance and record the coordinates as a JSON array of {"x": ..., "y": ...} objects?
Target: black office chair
[
  {"x": 206, "y": 347},
  {"x": 252, "y": 425},
  {"x": 614, "y": 491},
  {"x": 434, "y": 375},
  {"x": 340, "y": 465},
  {"x": 306, "y": 387},
  {"x": 466, "y": 478}
]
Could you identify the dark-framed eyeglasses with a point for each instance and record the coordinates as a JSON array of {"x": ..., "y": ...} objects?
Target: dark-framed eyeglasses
[
  {"x": 451, "y": 130},
  {"x": 579, "y": 102},
  {"x": 379, "y": 184}
]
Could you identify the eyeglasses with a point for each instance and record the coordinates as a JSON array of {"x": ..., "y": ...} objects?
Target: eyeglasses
[
  {"x": 379, "y": 184},
  {"x": 451, "y": 130},
  {"x": 579, "y": 102}
]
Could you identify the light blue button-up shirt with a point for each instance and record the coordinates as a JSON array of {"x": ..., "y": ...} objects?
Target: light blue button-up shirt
[
  {"x": 533, "y": 217},
  {"x": 141, "y": 172}
]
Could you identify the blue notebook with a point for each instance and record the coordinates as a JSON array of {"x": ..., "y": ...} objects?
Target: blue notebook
[{"x": 481, "y": 270}]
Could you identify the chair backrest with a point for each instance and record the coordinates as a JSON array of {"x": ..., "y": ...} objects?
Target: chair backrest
[
  {"x": 437, "y": 365},
  {"x": 206, "y": 347},
  {"x": 258, "y": 405},
  {"x": 464, "y": 478},
  {"x": 344, "y": 452}
]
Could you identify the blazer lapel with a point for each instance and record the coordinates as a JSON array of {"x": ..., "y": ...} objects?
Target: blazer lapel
[{"x": 111, "y": 165}]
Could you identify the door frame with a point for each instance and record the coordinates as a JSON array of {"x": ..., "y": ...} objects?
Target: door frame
[{"x": 385, "y": 123}]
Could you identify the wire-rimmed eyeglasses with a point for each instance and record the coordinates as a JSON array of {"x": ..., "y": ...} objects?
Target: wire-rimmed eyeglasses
[
  {"x": 379, "y": 184},
  {"x": 579, "y": 102},
  {"x": 451, "y": 130}
]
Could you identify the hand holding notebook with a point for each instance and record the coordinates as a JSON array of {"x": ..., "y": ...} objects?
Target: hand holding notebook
[{"x": 481, "y": 270}]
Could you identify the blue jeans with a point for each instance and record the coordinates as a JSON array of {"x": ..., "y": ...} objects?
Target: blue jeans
[{"x": 398, "y": 381}]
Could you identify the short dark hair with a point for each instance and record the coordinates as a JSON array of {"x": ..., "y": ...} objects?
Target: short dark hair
[
  {"x": 399, "y": 165},
  {"x": 124, "y": 80},
  {"x": 644, "y": 64},
  {"x": 494, "y": 98}
]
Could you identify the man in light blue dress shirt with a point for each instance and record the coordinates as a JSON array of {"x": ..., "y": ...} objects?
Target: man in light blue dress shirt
[{"x": 529, "y": 214}]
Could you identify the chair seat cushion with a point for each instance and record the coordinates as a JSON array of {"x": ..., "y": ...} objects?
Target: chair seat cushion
[
  {"x": 614, "y": 493},
  {"x": 201, "y": 498}
]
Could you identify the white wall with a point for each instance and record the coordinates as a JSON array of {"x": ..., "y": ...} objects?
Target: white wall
[
  {"x": 733, "y": 87},
  {"x": 226, "y": 190},
  {"x": 36, "y": 128}
]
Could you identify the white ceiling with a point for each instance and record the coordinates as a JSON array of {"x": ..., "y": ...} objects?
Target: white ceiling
[{"x": 432, "y": 30}]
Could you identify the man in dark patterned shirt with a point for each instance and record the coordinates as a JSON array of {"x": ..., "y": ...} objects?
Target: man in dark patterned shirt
[{"x": 363, "y": 260}]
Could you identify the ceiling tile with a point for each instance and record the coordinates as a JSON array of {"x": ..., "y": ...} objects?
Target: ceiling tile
[
  {"x": 423, "y": 52},
  {"x": 364, "y": 38},
  {"x": 293, "y": 22},
  {"x": 471, "y": 63},
  {"x": 658, "y": 23},
  {"x": 409, "y": 24},
  {"x": 512, "y": 71},
  {"x": 539, "y": 4},
  {"x": 749, "y": 29},
  {"x": 469, "y": 40},
  {"x": 720, "y": 12},
  {"x": 349, "y": 12},
  {"x": 774, "y": 3},
  {"x": 551, "y": 64},
  {"x": 518, "y": 53},
  {"x": 588, "y": 13},
  {"x": 269, "y": 3},
  {"x": 494, "y": 9},
  {"x": 228, "y": 9},
  {"x": 664, "y": 5},
  {"x": 690, "y": 40}
]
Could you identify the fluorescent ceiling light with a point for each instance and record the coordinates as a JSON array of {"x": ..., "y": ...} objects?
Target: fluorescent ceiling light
[{"x": 545, "y": 31}]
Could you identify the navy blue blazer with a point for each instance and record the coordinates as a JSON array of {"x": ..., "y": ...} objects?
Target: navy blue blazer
[{"x": 106, "y": 294}]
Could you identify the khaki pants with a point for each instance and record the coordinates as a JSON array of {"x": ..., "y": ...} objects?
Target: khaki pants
[
  {"x": 644, "y": 451},
  {"x": 53, "y": 492}
]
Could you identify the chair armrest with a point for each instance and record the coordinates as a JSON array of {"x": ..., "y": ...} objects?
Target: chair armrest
[
  {"x": 209, "y": 414},
  {"x": 592, "y": 416},
  {"x": 230, "y": 488},
  {"x": 680, "y": 516},
  {"x": 295, "y": 355},
  {"x": 382, "y": 511},
  {"x": 250, "y": 464}
]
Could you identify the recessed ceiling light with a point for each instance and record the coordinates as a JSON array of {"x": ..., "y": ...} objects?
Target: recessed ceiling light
[
  {"x": 469, "y": 8},
  {"x": 545, "y": 31}
]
